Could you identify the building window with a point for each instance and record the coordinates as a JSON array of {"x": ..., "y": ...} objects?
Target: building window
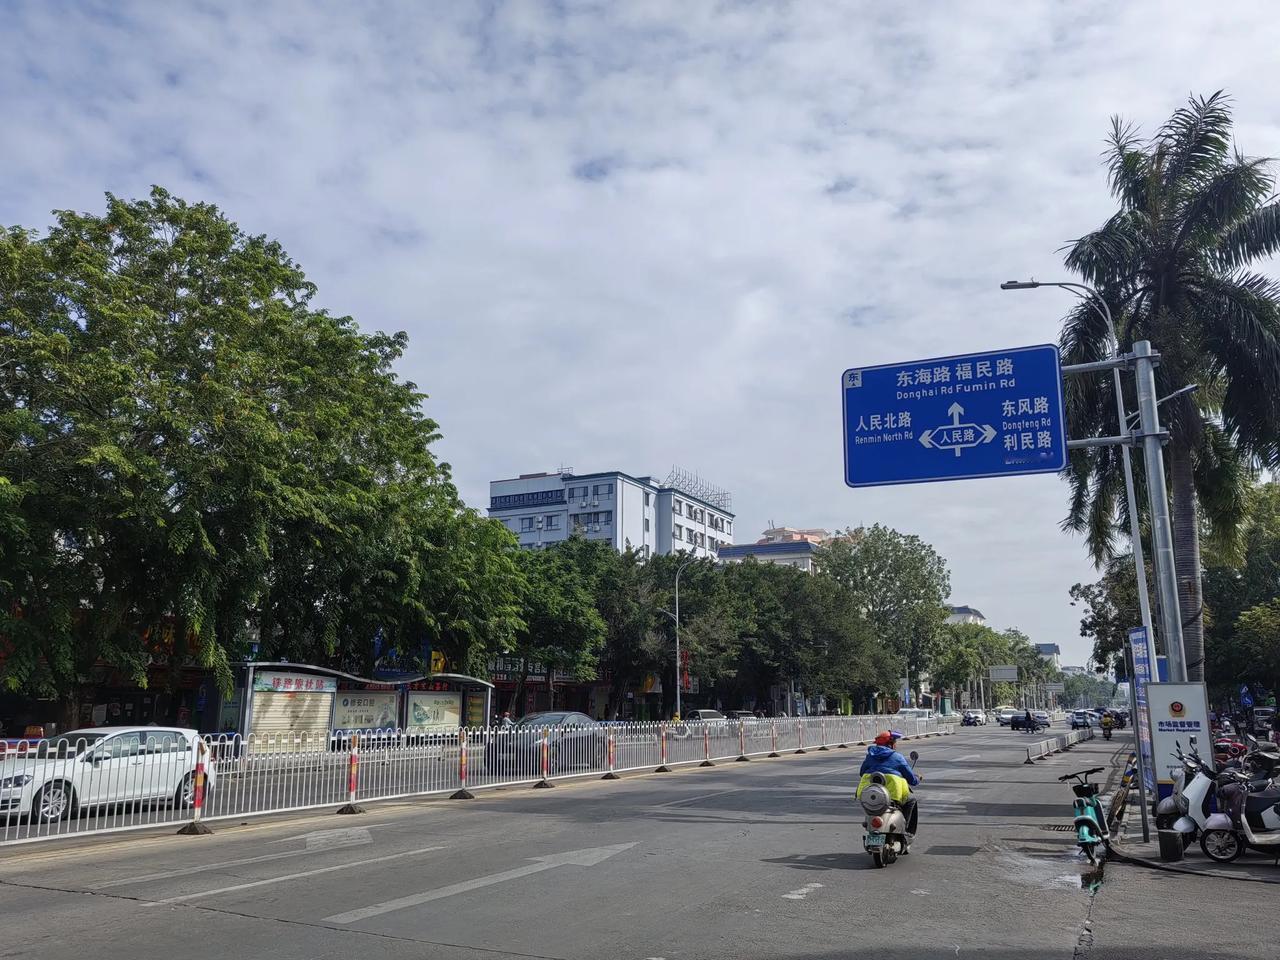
[
  {"x": 677, "y": 532},
  {"x": 702, "y": 517},
  {"x": 702, "y": 539},
  {"x": 729, "y": 527},
  {"x": 577, "y": 493},
  {"x": 603, "y": 490},
  {"x": 646, "y": 498},
  {"x": 526, "y": 524},
  {"x": 691, "y": 536},
  {"x": 553, "y": 521},
  {"x": 646, "y": 524},
  {"x": 689, "y": 511},
  {"x": 676, "y": 506}
]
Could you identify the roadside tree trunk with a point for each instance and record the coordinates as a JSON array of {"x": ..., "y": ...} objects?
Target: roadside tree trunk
[{"x": 1186, "y": 556}]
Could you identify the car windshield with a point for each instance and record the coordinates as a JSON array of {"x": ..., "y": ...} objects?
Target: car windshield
[
  {"x": 68, "y": 745},
  {"x": 542, "y": 720}
]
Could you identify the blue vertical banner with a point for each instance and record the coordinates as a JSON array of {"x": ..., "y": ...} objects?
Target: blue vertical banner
[{"x": 1142, "y": 722}]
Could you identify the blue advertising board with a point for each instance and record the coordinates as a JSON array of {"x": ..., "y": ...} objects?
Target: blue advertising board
[
  {"x": 954, "y": 418},
  {"x": 1246, "y": 698},
  {"x": 1142, "y": 722}
]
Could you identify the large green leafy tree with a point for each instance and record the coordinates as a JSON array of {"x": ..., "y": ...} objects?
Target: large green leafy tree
[
  {"x": 898, "y": 583},
  {"x": 192, "y": 455},
  {"x": 1176, "y": 265}
]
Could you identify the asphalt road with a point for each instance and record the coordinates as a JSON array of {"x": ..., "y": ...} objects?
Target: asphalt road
[{"x": 743, "y": 860}]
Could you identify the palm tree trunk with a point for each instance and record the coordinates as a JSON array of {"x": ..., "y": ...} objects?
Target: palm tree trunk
[{"x": 1186, "y": 556}]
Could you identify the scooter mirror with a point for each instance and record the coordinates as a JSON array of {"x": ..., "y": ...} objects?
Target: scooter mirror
[
  {"x": 1192, "y": 740},
  {"x": 915, "y": 755}
]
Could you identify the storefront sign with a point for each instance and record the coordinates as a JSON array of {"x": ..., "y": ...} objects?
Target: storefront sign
[
  {"x": 268, "y": 680},
  {"x": 508, "y": 670},
  {"x": 1179, "y": 711},
  {"x": 434, "y": 712},
  {"x": 366, "y": 710}
]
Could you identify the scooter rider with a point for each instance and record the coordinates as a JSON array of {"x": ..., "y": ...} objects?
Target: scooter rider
[
  {"x": 1108, "y": 721},
  {"x": 883, "y": 758}
]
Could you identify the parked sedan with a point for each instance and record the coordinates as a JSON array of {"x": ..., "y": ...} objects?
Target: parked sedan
[
  {"x": 574, "y": 740},
  {"x": 100, "y": 767}
]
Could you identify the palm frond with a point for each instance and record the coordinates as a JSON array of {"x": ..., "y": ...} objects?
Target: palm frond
[
  {"x": 1240, "y": 318},
  {"x": 1224, "y": 480},
  {"x": 1104, "y": 258},
  {"x": 1253, "y": 236},
  {"x": 1223, "y": 201},
  {"x": 1195, "y": 141},
  {"x": 1128, "y": 168}
]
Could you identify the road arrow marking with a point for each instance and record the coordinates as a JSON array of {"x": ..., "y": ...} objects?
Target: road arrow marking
[
  {"x": 291, "y": 876},
  {"x": 577, "y": 858}
]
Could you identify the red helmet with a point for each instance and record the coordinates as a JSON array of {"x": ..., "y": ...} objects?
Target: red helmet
[{"x": 886, "y": 738}]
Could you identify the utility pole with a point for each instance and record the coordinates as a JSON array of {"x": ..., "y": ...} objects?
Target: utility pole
[{"x": 1161, "y": 529}]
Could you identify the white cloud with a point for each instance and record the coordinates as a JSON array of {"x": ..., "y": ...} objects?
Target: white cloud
[{"x": 631, "y": 235}]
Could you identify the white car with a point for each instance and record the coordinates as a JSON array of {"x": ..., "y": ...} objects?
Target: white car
[
  {"x": 976, "y": 717},
  {"x": 98, "y": 767},
  {"x": 1004, "y": 715}
]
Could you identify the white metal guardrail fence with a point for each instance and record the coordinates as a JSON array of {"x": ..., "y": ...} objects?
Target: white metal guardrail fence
[
  {"x": 1046, "y": 748},
  {"x": 146, "y": 777}
]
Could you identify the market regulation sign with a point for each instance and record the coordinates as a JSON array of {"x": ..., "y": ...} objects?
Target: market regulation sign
[
  {"x": 1178, "y": 712},
  {"x": 954, "y": 418}
]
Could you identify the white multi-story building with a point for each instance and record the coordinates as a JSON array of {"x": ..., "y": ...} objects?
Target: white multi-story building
[
  {"x": 642, "y": 513},
  {"x": 965, "y": 615}
]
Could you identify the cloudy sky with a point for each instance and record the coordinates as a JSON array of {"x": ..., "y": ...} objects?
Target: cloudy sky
[{"x": 632, "y": 235}]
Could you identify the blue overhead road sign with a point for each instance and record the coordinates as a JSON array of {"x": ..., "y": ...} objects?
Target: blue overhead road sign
[{"x": 954, "y": 418}]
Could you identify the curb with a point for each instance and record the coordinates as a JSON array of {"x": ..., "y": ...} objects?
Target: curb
[{"x": 1117, "y": 852}]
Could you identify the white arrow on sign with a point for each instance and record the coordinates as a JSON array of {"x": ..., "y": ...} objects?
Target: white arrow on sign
[
  {"x": 982, "y": 433},
  {"x": 577, "y": 858}
]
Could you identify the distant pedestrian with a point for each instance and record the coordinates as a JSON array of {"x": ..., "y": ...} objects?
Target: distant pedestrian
[{"x": 507, "y": 722}]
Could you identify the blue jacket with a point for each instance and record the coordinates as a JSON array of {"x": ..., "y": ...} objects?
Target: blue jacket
[{"x": 888, "y": 760}]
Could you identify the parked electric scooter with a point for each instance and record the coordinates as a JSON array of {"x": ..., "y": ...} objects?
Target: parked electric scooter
[
  {"x": 1090, "y": 820},
  {"x": 885, "y": 824},
  {"x": 1250, "y": 821}
]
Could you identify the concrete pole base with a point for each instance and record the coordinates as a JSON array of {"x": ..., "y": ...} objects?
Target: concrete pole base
[
  {"x": 706, "y": 763},
  {"x": 463, "y": 794},
  {"x": 663, "y": 769},
  {"x": 842, "y": 746},
  {"x": 543, "y": 785},
  {"x": 822, "y": 748},
  {"x": 801, "y": 750},
  {"x": 611, "y": 776},
  {"x": 195, "y": 828},
  {"x": 742, "y": 759},
  {"x": 350, "y": 808},
  {"x": 774, "y": 755}
]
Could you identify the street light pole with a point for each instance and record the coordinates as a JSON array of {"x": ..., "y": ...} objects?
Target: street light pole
[
  {"x": 1103, "y": 309},
  {"x": 679, "y": 570}
]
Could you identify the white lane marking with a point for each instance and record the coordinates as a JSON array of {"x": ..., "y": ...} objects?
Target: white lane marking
[
  {"x": 291, "y": 876},
  {"x": 967, "y": 756},
  {"x": 921, "y": 893},
  {"x": 704, "y": 796},
  {"x": 803, "y": 892},
  {"x": 581, "y": 858},
  {"x": 200, "y": 868},
  {"x": 318, "y": 840},
  {"x": 323, "y": 839}
]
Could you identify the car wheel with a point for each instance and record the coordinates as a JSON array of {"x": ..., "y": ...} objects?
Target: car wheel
[{"x": 53, "y": 802}]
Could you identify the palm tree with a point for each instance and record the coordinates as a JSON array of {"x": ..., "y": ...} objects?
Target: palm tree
[{"x": 1174, "y": 266}]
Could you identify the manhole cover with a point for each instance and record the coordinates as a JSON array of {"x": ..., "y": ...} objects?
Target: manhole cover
[{"x": 1058, "y": 827}]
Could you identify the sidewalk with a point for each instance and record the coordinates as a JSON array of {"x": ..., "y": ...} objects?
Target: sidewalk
[{"x": 1130, "y": 848}]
